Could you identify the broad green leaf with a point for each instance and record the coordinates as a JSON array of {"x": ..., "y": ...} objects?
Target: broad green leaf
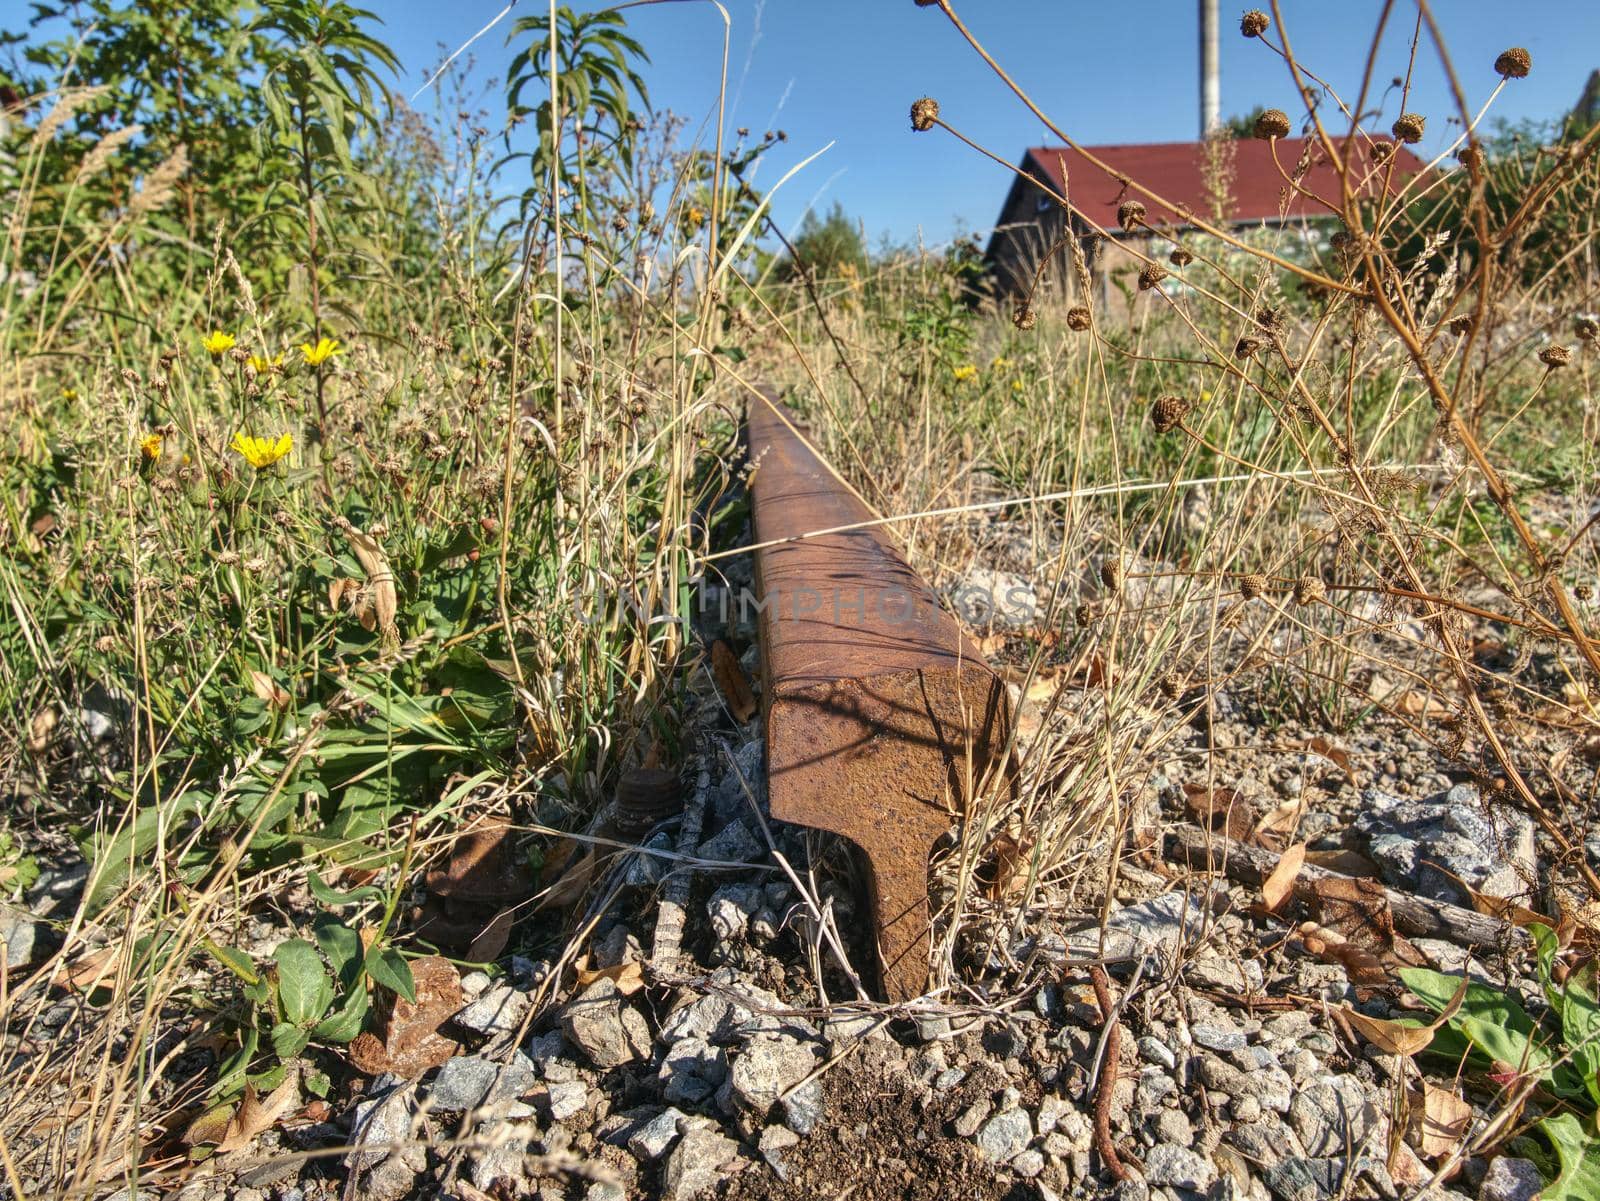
[
  {"x": 302, "y": 981},
  {"x": 1491, "y": 1021},
  {"x": 236, "y": 961},
  {"x": 1578, "y": 1150},
  {"x": 288, "y": 1041},
  {"x": 344, "y": 1023},
  {"x": 388, "y": 968},
  {"x": 331, "y": 896},
  {"x": 342, "y": 946}
]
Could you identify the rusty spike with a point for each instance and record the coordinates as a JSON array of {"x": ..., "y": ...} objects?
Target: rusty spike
[{"x": 878, "y": 709}]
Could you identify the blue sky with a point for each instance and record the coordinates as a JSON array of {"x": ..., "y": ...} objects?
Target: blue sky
[{"x": 846, "y": 72}]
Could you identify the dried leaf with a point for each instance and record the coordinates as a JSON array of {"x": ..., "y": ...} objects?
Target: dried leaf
[
  {"x": 1279, "y": 886},
  {"x": 341, "y": 591},
  {"x": 1335, "y": 754},
  {"x": 1358, "y": 910},
  {"x": 1346, "y": 863},
  {"x": 489, "y": 944},
  {"x": 1440, "y": 1123},
  {"x": 732, "y": 682},
  {"x": 1364, "y": 968},
  {"x": 267, "y": 690},
  {"x": 1220, "y": 810},
  {"x": 1500, "y": 907},
  {"x": 211, "y": 1126},
  {"x": 380, "y": 580},
  {"x": 569, "y": 870},
  {"x": 990, "y": 644},
  {"x": 1280, "y": 824},
  {"x": 92, "y": 969},
  {"x": 42, "y": 729},
  {"x": 256, "y": 1115},
  {"x": 628, "y": 977},
  {"x": 1387, "y": 1035}
]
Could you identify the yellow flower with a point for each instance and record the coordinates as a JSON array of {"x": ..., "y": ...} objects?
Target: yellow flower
[
  {"x": 218, "y": 343},
  {"x": 695, "y": 215},
  {"x": 262, "y": 452},
  {"x": 1001, "y": 364},
  {"x": 1016, "y": 385},
  {"x": 260, "y": 364},
  {"x": 150, "y": 447},
  {"x": 965, "y": 372},
  {"x": 69, "y": 394},
  {"x": 324, "y": 350}
]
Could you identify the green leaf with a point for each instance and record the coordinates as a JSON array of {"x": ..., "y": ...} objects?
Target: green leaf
[
  {"x": 342, "y": 946},
  {"x": 302, "y": 982},
  {"x": 330, "y": 896},
  {"x": 1493, "y": 1022},
  {"x": 236, "y": 961},
  {"x": 288, "y": 1041},
  {"x": 1578, "y": 1149},
  {"x": 388, "y": 968},
  {"x": 317, "y": 1083},
  {"x": 344, "y": 1023}
]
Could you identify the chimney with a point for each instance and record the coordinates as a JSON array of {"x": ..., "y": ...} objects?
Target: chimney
[{"x": 1210, "y": 86}]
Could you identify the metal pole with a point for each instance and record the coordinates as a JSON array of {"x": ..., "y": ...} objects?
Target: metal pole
[{"x": 1210, "y": 86}]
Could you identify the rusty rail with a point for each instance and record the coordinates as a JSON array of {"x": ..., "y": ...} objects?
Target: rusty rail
[{"x": 880, "y": 713}]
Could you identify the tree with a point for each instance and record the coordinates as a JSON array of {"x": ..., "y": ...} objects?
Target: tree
[{"x": 824, "y": 247}]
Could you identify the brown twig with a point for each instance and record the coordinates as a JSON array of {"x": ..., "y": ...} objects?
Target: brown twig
[{"x": 1108, "y": 1075}]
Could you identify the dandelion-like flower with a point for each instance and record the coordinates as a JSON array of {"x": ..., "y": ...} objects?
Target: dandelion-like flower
[
  {"x": 261, "y": 365},
  {"x": 1167, "y": 413},
  {"x": 319, "y": 354},
  {"x": 1514, "y": 63},
  {"x": 965, "y": 372},
  {"x": 1408, "y": 128},
  {"x": 150, "y": 447},
  {"x": 1151, "y": 276},
  {"x": 218, "y": 343},
  {"x": 262, "y": 452},
  {"x": 1272, "y": 123}
]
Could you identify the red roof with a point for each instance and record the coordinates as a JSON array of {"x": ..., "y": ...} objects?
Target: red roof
[{"x": 1174, "y": 171}]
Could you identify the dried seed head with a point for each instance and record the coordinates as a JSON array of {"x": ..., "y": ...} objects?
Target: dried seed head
[
  {"x": 1587, "y": 328},
  {"x": 1272, "y": 123},
  {"x": 1584, "y": 592},
  {"x": 1172, "y": 685},
  {"x": 1130, "y": 215},
  {"x": 1471, "y": 157},
  {"x": 1462, "y": 326},
  {"x": 1555, "y": 355},
  {"x": 1308, "y": 590},
  {"x": 924, "y": 113},
  {"x": 1246, "y": 347},
  {"x": 1381, "y": 151},
  {"x": 1111, "y": 575},
  {"x": 1180, "y": 257},
  {"x": 1084, "y": 614},
  {"x": 1407, "y": 128},
  {"x": 1024, "y": 317},
  {"x": 1078, "y": 318},
  {"x": 1252, "y": 585},
  {"x": 1254, "y": 23},
  {"x": 1267, "y": 317},
  {"x": 1167, "y": 413},
  {"x": 619, "y": 223},
  {"x": 1514, "y": 63},
  {"x": 1151, "y": 276}
]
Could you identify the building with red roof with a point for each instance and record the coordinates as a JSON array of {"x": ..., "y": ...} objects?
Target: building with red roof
[{"x": 1231, "y": 183}]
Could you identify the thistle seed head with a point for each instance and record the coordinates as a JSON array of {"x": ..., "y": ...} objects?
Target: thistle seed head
[
  {"x": 1246, "y": 347},
  {"x": 1172, "y": 685},
  {"x": 1514, "y": 63},
  {"x": 1587, "y": 328},
  {"x": 1555, "y": 355},
  {"x": 1151, "y": 276},
  {"x": 1584, "y": 592},
  {"x": 924, "y": 113},
  {"x": 1130, "y": 215},
  {"x": 1407, "y": 128},
  {"x": 1084, "y": 614},
  {"x": 1461, "y": 326},
  {"x": 1180, "y": 257},
  {"x": 1024, "y": 317},
  {"x": 1471, "y": 157},
  {"x": 1308, "y": 590},
  {"x": 1252, "y": 585},
  {"x": 1167, "y": 413},
  {"x": 1382, "y": 151},
  {"x": 1111, "y": 575},
  {"x": 1254, "y": 23},
  {"x": 1078, "y": 318},
  {"x": 1273, "y": 123}
]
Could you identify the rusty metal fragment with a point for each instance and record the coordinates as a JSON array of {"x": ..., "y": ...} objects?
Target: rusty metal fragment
[{"x": 881, "y": 716}]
